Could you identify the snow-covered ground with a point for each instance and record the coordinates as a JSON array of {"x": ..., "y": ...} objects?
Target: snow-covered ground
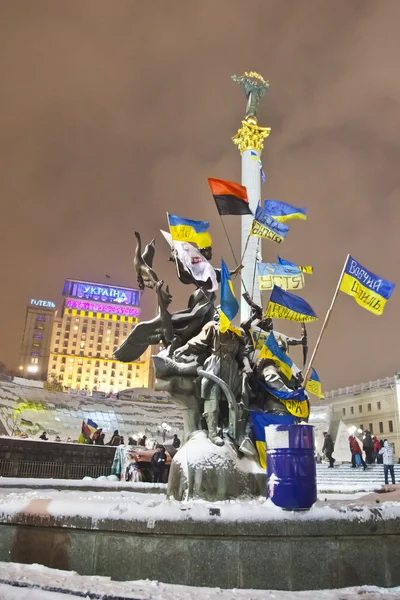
[
  {"x": 42, "y": 583},
  {"x": 130, "y": 505}
]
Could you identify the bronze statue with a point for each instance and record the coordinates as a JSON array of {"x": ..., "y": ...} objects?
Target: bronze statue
[
  {"x": 224, "y": 356},
  {"x": 254, "y": 87},
  {"x": 143, "y": 263}
]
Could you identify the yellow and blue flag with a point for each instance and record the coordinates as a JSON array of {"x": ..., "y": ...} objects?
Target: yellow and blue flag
[
  {"x": 368, "y": 290},
  {"x": 92, "y": 425},
  {"x": 287, "y": 277},
  {"x": 260, "y": 421},
  {"x": 265, "y": 226},
  {"x": 229, "y": 305},
  {"x": 295, "y": 401},
  {"x": 255, "y": 156},
  {"x": 313, "y": 385},
  {"x": 281, "y": 211},
  {"x": 304, "y": 269},
  {"x": 284, "y": 305},
  {"x": 272, "y": 350},
  {"x": 187, "y": 230}
]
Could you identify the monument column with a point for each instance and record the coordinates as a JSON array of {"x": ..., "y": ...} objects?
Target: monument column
[{"x": 250, "y": 142}]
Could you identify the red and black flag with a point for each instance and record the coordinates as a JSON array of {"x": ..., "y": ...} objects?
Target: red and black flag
[{"x": 230, "y": 198}]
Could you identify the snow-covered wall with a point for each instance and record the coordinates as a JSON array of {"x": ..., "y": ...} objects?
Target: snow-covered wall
[{"x": 31, "y": 411}]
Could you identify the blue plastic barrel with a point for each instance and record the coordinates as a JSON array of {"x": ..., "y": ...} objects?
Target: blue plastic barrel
[{"x": 291, "y": 470}]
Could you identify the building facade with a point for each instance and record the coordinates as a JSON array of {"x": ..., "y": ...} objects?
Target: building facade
[
  {"x": 36, "y": 339},
  {"x": 372, "y": 406},
  {"x": 94, "y": 320}
]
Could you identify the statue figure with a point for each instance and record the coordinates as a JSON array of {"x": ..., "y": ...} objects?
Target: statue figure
[
  {"x": 254, "y": 87},
  {"x": 143, "y": 263},
  {"x": 146, "y": 333},
  {"x": 223, "y": 357}
]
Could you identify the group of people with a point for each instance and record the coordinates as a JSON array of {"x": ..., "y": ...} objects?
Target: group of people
[{"x": 375, "y": 450}]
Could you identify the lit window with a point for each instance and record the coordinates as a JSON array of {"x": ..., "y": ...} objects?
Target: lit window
[
  {"x": 71, "y": 368},
  {"x": 76, "y": 327},
  {"x": 71, "y": 360}
]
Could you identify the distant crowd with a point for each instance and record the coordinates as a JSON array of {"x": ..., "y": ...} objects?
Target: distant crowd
[{"x": 376, "y": 451}]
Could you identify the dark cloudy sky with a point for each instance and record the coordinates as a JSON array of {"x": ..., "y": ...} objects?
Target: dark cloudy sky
[{"x": 114, "y": 111}]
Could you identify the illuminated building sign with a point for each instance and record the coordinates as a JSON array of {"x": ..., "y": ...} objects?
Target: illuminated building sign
[
  {"x": 44, "y": 303},
  {"x": 112, "y": 309},
  {"x": 101, "y": 293}
]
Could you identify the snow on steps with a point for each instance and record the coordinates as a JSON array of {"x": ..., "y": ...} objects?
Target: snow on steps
[{"x": 345, "y": 479}]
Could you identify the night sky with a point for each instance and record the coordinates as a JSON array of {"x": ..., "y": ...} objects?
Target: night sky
[{"x": 114, "y": 112}]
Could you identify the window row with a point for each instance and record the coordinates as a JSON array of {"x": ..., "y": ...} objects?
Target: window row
[
  {"x": 360, "y": 408},
  {"x": 381, "y": 428}
]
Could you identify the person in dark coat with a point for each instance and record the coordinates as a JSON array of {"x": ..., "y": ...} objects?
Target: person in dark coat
[
  {"x": 176, "y": 442},
  {"x": 368, "y": 447},
  {"x": 99, "y": 441},
  {"x": 328, "y": 448},
  {"x": 158, "y": 461},
  {"x": 142, "y": 441},
  {"x": 43, "y": 436},
  {"x": 355, "y": 450},
  {"x": 115, "y": 440}
]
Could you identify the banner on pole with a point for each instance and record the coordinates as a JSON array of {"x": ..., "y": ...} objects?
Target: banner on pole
[{"x": 270, "y": 274}]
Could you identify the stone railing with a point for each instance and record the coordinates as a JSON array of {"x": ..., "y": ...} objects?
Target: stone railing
[{"x": 370, "y": 386}]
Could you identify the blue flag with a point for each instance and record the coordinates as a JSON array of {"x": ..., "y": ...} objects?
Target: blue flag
[
  {"x": 259, "y": 421},
  {"x": 281, "y": 211},
  {"x": 284, "y": 305},
  {"x": 229, "y": 304}
]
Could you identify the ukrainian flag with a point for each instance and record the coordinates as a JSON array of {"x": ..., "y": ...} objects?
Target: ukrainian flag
[
  {"x": 260, "y": 421},
  {"x": 92, "y": 425},
  {"x": 284, "y": 305},
  {"x": 187, "y": 230},
  {"x": 368, "y": 290},
  {"x": 265, "y": 226},
  {"x": 304, "y": 269},
  {"x": 229, "y": 304},
  {"x": 284, "y": 212},
  {"x": 295, "y": 401},
  {"x": 313, "y": 385},
  {"x": 271, "y": 350}
]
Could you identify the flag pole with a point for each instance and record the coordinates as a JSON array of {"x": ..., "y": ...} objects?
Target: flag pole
[
  {"x": 325, "y": 324},
  {"x": 173, "y": 248}
]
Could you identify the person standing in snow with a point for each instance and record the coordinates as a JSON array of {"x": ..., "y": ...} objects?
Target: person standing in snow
[
  {"x": 368, "y": 447},
  {"x": 176, "y": 442},
  {"x": 328, "y": 448},
  {"x": 158, "y": 461},
  {"x": 355, "y": 451},
  {"x": 387, "y": 453},
  {"x": 377, "y": 447}
]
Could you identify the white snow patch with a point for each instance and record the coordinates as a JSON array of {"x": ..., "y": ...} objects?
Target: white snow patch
[{"x": 68, "y": 583}]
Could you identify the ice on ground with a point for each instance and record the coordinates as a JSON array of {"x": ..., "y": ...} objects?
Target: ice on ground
[{"x": 68, "y": 583}]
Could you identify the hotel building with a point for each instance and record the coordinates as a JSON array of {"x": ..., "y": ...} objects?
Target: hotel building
[
  {"x": 94, "y": 320},
  {"x": 36, "y": 338}
]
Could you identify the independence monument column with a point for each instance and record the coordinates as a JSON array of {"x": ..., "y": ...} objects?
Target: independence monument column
[{"x": 250, "y": 141}]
